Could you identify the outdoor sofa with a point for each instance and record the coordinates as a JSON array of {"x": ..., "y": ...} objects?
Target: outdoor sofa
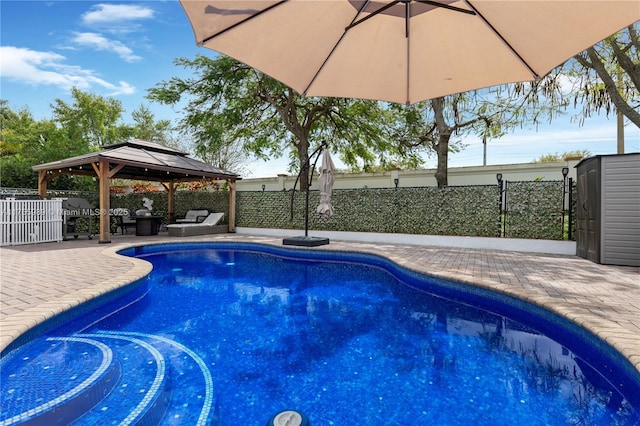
[{"x": 210, "y": 225}]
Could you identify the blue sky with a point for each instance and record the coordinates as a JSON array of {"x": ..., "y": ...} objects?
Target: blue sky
[{"x": 120, "y": 49}]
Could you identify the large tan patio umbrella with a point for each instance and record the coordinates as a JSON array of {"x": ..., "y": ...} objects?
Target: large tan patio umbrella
[{"x": 404, "y": 51}]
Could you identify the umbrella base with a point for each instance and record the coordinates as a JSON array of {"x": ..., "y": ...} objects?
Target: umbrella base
[{"x": 305, "y": 241}]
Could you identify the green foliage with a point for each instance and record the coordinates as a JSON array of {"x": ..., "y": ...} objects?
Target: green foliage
[
  {"x": 217, "y": 201},
  {"x": 146, "y": 128},
  {"x": 26, "y": 142},
  {"x": 606, "y": 77},
  {"x": 14, "y": 173},
  {"x": 76, "y": 130},
  {"x": 424, "y": 210},
  {"x": 436, "y": 126},
  {"x": 534, "y": 210},
  {"x": 134, "y": 201},
  {"x": 91, "y": 118},
  {"x": 552, "y": 158},
  {"x": 228, "y": 103}
]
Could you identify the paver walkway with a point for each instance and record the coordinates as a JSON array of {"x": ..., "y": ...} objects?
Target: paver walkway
[{"x": 39, "y": 281}]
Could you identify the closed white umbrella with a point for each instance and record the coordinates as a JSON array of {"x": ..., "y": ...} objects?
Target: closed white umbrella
[
  {"x": 325, "y": 182},
  {"x": 404, "y": 51}
]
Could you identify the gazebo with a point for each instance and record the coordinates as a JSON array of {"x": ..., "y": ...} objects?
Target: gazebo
[{"x": 137, "y": 160}]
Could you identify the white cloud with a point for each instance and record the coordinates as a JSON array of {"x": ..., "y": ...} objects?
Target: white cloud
[
  {"x": 568, "y": 83},
  {"x": 47, "y": 68},
  {"x": 116, "y": 14},
  {"x": 99, "y": 42},
  {"x": 114, "y": 19}
]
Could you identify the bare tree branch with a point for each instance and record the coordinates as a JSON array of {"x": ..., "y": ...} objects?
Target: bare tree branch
[{"x": 598, "y": 66}]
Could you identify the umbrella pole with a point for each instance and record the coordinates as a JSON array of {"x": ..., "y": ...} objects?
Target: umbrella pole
[
  {"x": 306, "y": 210},
  {"x": 306, "y": 241},
  {"x": 309, "y": 172}
]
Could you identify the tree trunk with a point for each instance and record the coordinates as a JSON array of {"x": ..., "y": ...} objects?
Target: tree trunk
[
  {"x": 443, "y": 160},
  {"x": 442, "y": 148},
  {"x": 303, "y": 158}
]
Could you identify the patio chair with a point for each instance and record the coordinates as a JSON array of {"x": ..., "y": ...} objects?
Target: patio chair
[
  {"x": 124, "y": 222},
  {"x": 194, "y": 216},
  {"x": 210, "y": 225}
]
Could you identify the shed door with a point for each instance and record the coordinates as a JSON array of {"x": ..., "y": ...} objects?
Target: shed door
[{"x": 588, "y": 208}]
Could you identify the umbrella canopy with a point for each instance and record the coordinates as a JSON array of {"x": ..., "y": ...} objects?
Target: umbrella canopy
[
  {"x": 404, "y": 51},
  {"x": 325, "y": 182}
]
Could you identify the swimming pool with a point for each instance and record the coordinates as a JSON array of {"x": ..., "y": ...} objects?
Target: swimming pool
[{"x": 228, "y": 333}]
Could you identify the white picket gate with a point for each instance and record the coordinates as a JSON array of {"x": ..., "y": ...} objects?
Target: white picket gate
[{"x": 30, "y": 221}]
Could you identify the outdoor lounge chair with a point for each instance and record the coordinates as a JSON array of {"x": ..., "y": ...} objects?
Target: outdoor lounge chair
[
  {"x": 208, "y": 226},
  {"x": 194, "y": 216}
]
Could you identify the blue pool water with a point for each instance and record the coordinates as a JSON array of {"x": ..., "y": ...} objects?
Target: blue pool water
[{"x": 231, "y": 334}]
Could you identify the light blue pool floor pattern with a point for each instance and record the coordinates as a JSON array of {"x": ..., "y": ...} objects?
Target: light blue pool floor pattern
[
  {"x": 105, "y": 378},
  {"x": 225, "y": 342}
]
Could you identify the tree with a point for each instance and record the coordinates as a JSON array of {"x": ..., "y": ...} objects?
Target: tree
[
  {"x": 609, "y": 74},
  {"x": 13, "y": 128},
  {"x": 25, "y": 142},
  {"x": 606, "y": 74},
  {"x": 91, "y": 118},
  {"x": 231, "y": 103},
  {"x": 565, "y": 156},
  {"x": 212, "y": 145},
  {"x": 489, "y": 113},
  {"x": 146, "y": 128},
  {"x": 76, "y": 130}
]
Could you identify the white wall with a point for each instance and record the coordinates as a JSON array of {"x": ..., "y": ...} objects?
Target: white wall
[
  {"x": 504, "y": 244},
  {"x": 458, "y": 176}
]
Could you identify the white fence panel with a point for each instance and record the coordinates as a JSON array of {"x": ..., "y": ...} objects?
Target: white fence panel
[{"x": 30, "y": 221}]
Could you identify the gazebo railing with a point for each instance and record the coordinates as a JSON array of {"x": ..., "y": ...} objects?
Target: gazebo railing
[{"x": 30, "y": 221}]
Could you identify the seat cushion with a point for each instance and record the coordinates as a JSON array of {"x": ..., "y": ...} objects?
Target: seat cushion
[{"x": 193, "y": 216}]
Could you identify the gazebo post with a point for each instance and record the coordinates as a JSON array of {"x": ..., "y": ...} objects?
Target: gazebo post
[
  {"x": 171, "y": 188},
  {"x": 105, "y": 219},
  {"x": 42, "y": 183},
  {"x": 232, "y": 205}
]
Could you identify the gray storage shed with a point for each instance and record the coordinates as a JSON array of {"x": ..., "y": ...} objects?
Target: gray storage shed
[{"x": 608, "y": 209}]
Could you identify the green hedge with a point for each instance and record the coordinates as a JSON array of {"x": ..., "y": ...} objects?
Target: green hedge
[
  {"x": 533, "y": 209},
  {"x": 217, "y": 201},
  {"x": 424, "y": 210}
]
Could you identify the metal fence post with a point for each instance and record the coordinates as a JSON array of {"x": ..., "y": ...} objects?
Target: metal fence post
[
  {"x": 505, "y": 190},
  {"x": 565, "y": 172},
  {"x": 499, "y": 178},
  {"x": 570, "y": 218}
]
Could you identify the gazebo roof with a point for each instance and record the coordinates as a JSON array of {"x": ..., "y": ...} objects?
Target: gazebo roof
[{"x": 141, "y": 160}]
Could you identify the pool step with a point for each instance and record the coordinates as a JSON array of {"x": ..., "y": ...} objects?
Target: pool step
[
  {"x": 143, "y": 392},
  {"x": 106, "y": 378},
  {"x": 65, "y": 378},
  {"x": 78, "y": 379},
  {"x": 192, "y": 400}
]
